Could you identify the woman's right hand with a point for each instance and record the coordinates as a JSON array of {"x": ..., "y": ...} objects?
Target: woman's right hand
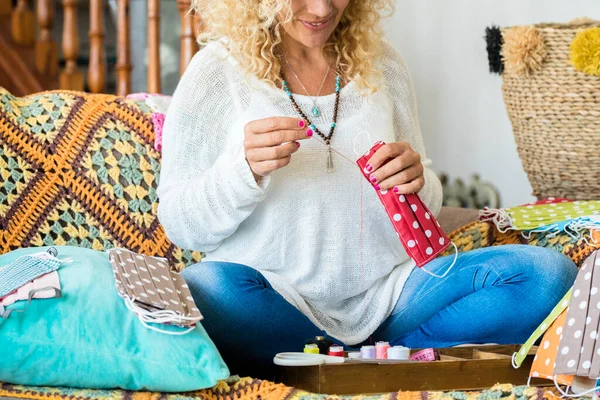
[{"x": 269, "y": 143}]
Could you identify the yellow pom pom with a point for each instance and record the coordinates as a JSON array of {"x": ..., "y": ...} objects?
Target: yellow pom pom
[
  {"x": 524, "y": 50},
  {"x": 585, "y": 51}
]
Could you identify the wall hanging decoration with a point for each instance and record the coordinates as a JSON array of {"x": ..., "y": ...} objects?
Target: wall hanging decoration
[{"x": 553, "y": 105}]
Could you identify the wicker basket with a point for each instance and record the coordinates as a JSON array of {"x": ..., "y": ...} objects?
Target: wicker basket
[{"x": 555, "y": 114}]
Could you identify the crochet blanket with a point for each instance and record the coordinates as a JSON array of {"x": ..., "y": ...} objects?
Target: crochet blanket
[
  {"x": 81, "y": 169},
  {"x": 248, "y": 388},
  {"x": 481, "y": 234}
]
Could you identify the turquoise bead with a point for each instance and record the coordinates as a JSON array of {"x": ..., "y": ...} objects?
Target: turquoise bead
[
  {"x": 313, "y": 127},
  {"x": 333, "y": 125}
]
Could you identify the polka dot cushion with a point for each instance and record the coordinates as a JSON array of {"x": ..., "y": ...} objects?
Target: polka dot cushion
[{"x": 82, "y": 170}]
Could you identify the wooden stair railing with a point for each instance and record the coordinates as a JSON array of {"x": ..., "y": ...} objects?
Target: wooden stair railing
[
  {"x": 123, "y": 66},
  {"x": 46, "y": 49},
  {"x": 5, "y": 8},
  {"x": 24, "y": 23},
  {"x": 97, "y": 66},
  {"x": 71, "y": 77},
  {"x": 188, "y": 43},
  {"x": 153, "y": 46}
]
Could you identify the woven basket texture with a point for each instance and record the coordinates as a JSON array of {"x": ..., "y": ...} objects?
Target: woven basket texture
[{"x": 555, "y": 114}]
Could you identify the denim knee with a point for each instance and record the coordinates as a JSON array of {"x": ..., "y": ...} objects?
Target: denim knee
[
  {"x": 547, "y": 272},
  {"x": 217, "y": 285}
]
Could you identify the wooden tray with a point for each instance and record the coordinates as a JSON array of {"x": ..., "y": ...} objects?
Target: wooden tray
[{"x": 460, "y": 368}]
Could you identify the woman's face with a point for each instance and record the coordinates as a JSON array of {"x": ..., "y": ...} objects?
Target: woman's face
[{"x": 315, "y": 20}]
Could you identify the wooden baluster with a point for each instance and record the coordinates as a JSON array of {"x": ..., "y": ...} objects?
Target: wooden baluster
[
  {"x": 70, "y": 78},
  {"x": 46, "y": 49},
  {"x": 5, "y": 7},
  {"x": 188, "y": 37},
  {"x": 97, "y": 67},
  {"x": 153, "y": 46},
  {"x": 22, "y": 24},
  {"x": 123, "y": 66}
]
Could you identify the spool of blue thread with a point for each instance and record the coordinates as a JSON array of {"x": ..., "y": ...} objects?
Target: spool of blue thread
[{"x": 367, "y": 352}]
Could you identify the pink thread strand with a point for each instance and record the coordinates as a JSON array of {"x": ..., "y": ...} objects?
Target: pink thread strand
[{"x": 361, "y": 229}]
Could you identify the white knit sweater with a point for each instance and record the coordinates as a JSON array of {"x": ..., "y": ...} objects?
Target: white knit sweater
[{"x": 300, "y": 227}]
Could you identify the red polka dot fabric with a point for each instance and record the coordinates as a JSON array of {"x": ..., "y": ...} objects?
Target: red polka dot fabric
[{"x": 420, "y": 234}]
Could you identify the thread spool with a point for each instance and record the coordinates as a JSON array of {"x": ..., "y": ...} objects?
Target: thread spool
[
  {"x": 311, "y": 349},
  {"x": 336, "y": 351},
  {"x": 381, "y": 350},
  {"x": 322, "y": 343},
  {"x": 354, "y": 355},
  {"x": 367, "y": 352},
  {"x": 398, "y": 353}
]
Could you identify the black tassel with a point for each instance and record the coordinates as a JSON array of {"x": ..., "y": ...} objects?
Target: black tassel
[{"x": 493, "y": 37}]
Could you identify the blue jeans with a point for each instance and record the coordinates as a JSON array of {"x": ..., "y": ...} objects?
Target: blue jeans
[{"x": 492, "y": 295}]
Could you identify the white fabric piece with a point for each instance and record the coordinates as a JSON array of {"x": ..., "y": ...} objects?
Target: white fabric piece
[{"x": 300, "y": 226}]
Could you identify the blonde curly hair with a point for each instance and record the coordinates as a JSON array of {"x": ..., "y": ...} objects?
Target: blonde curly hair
[{"x": 254, "y": 32}]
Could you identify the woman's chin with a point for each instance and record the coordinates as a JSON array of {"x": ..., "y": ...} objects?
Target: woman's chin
[
  {"x": 313, "y": 41},
  {"x": 311, "y": 38}
]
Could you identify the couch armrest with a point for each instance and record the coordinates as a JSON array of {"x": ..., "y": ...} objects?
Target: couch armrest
[{"x": 452, "y": 218}]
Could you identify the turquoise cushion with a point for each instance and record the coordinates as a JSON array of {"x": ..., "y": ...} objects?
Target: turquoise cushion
[{"x": 89, "y": 339}]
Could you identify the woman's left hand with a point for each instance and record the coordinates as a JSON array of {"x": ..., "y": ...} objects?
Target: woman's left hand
[{"x": 403, "y": 173}]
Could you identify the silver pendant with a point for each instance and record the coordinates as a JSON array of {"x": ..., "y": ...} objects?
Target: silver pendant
[
  {"x": 316, "y": 111},
  {"x": 329, "y": 160}
]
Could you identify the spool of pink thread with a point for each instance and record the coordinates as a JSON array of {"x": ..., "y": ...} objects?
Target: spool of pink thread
[{"x": 381, "y": 350}]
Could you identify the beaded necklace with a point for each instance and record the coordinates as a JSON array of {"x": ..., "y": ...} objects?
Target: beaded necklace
[
  {"x": 326, "y": 138},
  {"x": 315, "y": 110}
]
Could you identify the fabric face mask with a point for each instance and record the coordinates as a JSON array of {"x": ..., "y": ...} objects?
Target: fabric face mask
[
  {"x": 578, "y": 351},
  {"x": 41, "y": 285},
  {"x": 27, "y": 268},
  {"x": 156, "y": 294},
  {"x": 544, "y": 362},
  {"x": 420, "y": 234},
  {"x": 49, "y": 292},
  {"x": 556, "y": 312},
  {"x": 543, "y": 217}
]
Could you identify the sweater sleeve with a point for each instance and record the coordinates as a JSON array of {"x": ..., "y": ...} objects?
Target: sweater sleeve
[
  {"x": 406, "y": 121},
  {"x": 206, "y": 187}
]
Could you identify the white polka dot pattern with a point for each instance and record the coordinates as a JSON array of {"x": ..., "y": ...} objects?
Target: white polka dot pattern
[
  {"x": 578, "y": 350},
  {"x": 545, "y": 214},
  {"x": 419, "y": 232}
]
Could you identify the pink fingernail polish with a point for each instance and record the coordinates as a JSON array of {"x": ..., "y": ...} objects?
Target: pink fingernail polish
[
  {"x": 369, "y": 167},
  {"x": 377, "y": 187},
  {"x": 298, "y": 144},
  {"x": 373, "y": 179},
  {"x": 301, "y": 124},
  {"x": 395, "y": 190},
  {"x": 309, "y": 133}
]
